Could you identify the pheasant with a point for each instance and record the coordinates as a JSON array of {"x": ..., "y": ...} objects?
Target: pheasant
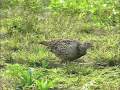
[{"x": 67, "y": 50}]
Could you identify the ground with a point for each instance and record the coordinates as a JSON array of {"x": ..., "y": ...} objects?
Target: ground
[{"x": 25, "y": 64}]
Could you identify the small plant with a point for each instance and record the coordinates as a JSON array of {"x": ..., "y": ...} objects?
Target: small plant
[
  {"x": 44, "y": 84},
  {"x": 45, "y": 63},
  {"x": 28, "y": 78}
]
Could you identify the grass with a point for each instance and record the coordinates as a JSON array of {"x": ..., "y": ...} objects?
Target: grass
[{"x": 26, "y": 65}]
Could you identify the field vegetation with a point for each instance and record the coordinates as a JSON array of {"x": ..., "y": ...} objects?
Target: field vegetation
[{"x": 27, "y": 65}]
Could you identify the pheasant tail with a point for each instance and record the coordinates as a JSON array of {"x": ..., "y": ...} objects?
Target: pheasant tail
[{"x": 44, "y": 43}]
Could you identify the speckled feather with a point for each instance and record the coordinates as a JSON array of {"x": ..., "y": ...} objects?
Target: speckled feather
[{"x": 66, "y": 50}]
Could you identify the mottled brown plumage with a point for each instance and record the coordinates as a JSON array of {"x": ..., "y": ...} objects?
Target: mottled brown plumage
[{"x": 67, "y": 50}]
